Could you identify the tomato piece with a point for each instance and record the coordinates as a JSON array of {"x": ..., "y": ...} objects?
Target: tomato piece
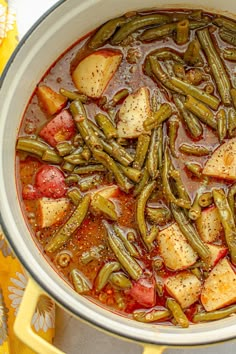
[
  {"x": 144, "y": 292},
  {"x": 50, "y": 182},
  {"x": 60, "y": 128}
]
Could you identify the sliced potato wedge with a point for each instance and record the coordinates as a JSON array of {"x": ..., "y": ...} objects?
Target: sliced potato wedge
[
  {"x": 133, "y": 112},
  {"x": 217, "y": 253},
  {"x": 222, "y": 163},
  {"x": 51, "y": 211},
  {"x": 174, "y": 248},
  {"x": 50, "y": 101},
  {"x": 208, "y": 224},
  {"x": 219, "y": 289}
]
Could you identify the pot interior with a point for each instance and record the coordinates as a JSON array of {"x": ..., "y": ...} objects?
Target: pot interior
[{"x": 67, "y": 22}]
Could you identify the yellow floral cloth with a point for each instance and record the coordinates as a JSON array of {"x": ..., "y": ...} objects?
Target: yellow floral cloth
[{"x": 13, "y": 278}]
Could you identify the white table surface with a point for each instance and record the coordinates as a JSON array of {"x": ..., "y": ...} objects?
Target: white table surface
[{"x": 73, "y": 336}]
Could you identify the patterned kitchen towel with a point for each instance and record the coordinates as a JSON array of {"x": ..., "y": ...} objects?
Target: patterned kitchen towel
[{"x": 13, "y": 278}]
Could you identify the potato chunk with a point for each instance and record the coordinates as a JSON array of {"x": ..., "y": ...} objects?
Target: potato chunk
[
  {"x": 93, "y": 73},
  {"x": 222, "y": 163},
  {"x": 217, "y": 253},
  {"x": 174, "y": 248},
  {"x": 50, "y": 101},
  {"x": 219, "y": 289},
  {"x": 184, "y": 287},
  {"x": 51, "y": 211},
  {"x": 133, "y": 112},
  {"x": 208, "y": 224}
]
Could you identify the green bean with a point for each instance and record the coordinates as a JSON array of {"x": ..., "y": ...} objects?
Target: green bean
[
  {"x": 205, "y": 199},
  {"x": 123, "y": 256},
  {"x": 160, "y": 289},
  {"x": 159, "y": 216},
  {"x": 152, "y": 236},
  {"x": 131, "y": 236},
  {"x": 60, "y": 237},
  {"x": 81, "y": 284},
  {"x": 152, "y": 157},
  {"x": 120, "y": 300},
  {"x": 182, "y": 32},
  {"x": 233, "y": 96},
  {"x": 167, "y": 54},
  {"x": 110, "y": 164},
  {"x": 195, "y": 211},
  {"x": 132, "y": 173},
  {"x": 90, "y": 182},
  {"x": 51, "y": 156},
  {"x": 196, "y": 150},
  {"x": 72, "y": 179},
  {"x": 80, "y": 170},
  {"x": 140, "y": 210},
  {"x": 101, "y": 205},
  {"x": 181, "y": 190},
  {"x": 231, "y": 199},
  {"x": 201, "y": 111},
  {"x": 64, "y": 148},
  {"x": 120, "y": 280},
  {"x": 75, "y": 159},
  {"x": 128, "y": 245},
  {"x": 229, "y": 54},
  {"x": 73, "y": 95},
  {"x": 191, "y": 121},
  {"x": 31, "y": 146},
  {"x": 92, "y": 254},
  {"x": 195, "y": 77},
  {"x": 231, "y": 122},
  {"x": 227, "y": 220},
  {"x": 119, "y": 153},
  {"x": 166, "y": 184},
  {"x": 96, "y": 130},
  {"x": 68, "y": 167},
  {"x": 190, "y": 232},
  {"x": 197, "y": 273},
  {"x": 226, "y": 23},
  {"x": 192, "y": 54},
  {"x": 120, "y": 95},
  {"x": 158, "y": 117},
  {"x": 75, "y": 195},
  {"x": 195, "y": 168},
  {"x": 138, "y": 23},
  {"x": 105, "y": 32},
  {"x": 106, "y": 125},
  {"x": 104, "y": 274},
  {"x": 216, "y": 65},
  {"x": 214, "y": 315},
  {"x": 142, "y": 183},
  {"x": 86, "y": 153},
  {"x": 167, "y": 30},
  {"x": 179, "y": 70},
  {"x": 172, "y": 133},
  {"x": 227, "y": 36},
  {"x": 141, "y": 151},
  {"x": 222, "y": 124},
  {"x": 177, "y": 312},
  {"x": 160, "y": 146},
  {"x": 151, "y": 316},
  {"x": 80, "y": 117}
]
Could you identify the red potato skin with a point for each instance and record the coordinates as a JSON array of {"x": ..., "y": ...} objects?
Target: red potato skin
[
  {"x": 143, "y": 291},
  {"x": 50, "y": 182},
  {"x": 60, "y": 128}
]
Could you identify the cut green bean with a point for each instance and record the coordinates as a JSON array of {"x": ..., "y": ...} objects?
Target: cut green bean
[
  {"x": 81, "y": 284},
  {"x": 141, "y": 151},
  {"x": 233, "y": 96},
  {"x": 177, "y": 312},
  {"x": 152, "y": 157},
  {"x": 73, "y": 95},
  {"x": 110, "y": 164},
  {"x": 132, "y": 173},
  {"x": 75, "y": 159},
  {"x": 64, "y": 148},
  {"x": 104, "y": 274},
  {"x": 160, "y": 146},
  {"x": 61, "y": 236},
  {"x": 195, "y": 168},
  {"x": 180, "y": 188},
  {"x": 152, "y": 236},
  {"x": 140, "y": 211},
  {"x": 214, "y": 315},
  {"x": 193, "y": 125},
  {"x": 104, "y": 206},
  {"x": 92, "y": 254},
  {"x": 232, "y": 122},
  {"x": 167, "y": 54},
  {"x": 31, "y": 146},
  {"x": 86, "y": 153},
  {"x": 123, "y": 256},
  {"x": 72, "y": 179},
  {"x": 190, "y": 232},
  {"x": 205, "y": 199},
  {"x": 120, "y": 280},
  {"x": 158, "y": 117},
  {"x": 221, "y": 124},
  {"x": 196, "y": 150},
  {"x": 231, "y": 199},
  {"x": 142, "y": 183},
  {"x": 128, "y": 245},
  {"x": 67, "y": 166},
  {"x": 80, "y": 170},
  {"x": 106, "y": 125},
  {"x": 229, "y": 54},
  {"x": 172, "y": 133},
  {"x": 105, "y": 32},
  {"x": 51, "y": 156},
  {"x": 226, "y": 23},
  {"x": 227, "y": 220},
  {"x": 75, "y": 195},
  {"x": 151, "y": 316},
  {"x": 120, "y": 95},
  {"x": 227, "y": 36},
  {"x": 182, "y": 31},
  {"x": 192, "y": 54},
  {"x": 159, "y": 216},
  {"x": 138, "y": 23},
  {"x": 90, "y": 182},
  {"x": 201, "y": 111},
  {"x": 216, "y": 65},
  {"x": 195, "y": 211}
]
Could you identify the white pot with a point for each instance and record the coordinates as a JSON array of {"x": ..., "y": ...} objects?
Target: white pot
[{"x": 51, "y": 36}]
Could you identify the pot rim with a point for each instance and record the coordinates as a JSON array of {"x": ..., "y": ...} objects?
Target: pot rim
[{"x": 115, "y": 326}]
